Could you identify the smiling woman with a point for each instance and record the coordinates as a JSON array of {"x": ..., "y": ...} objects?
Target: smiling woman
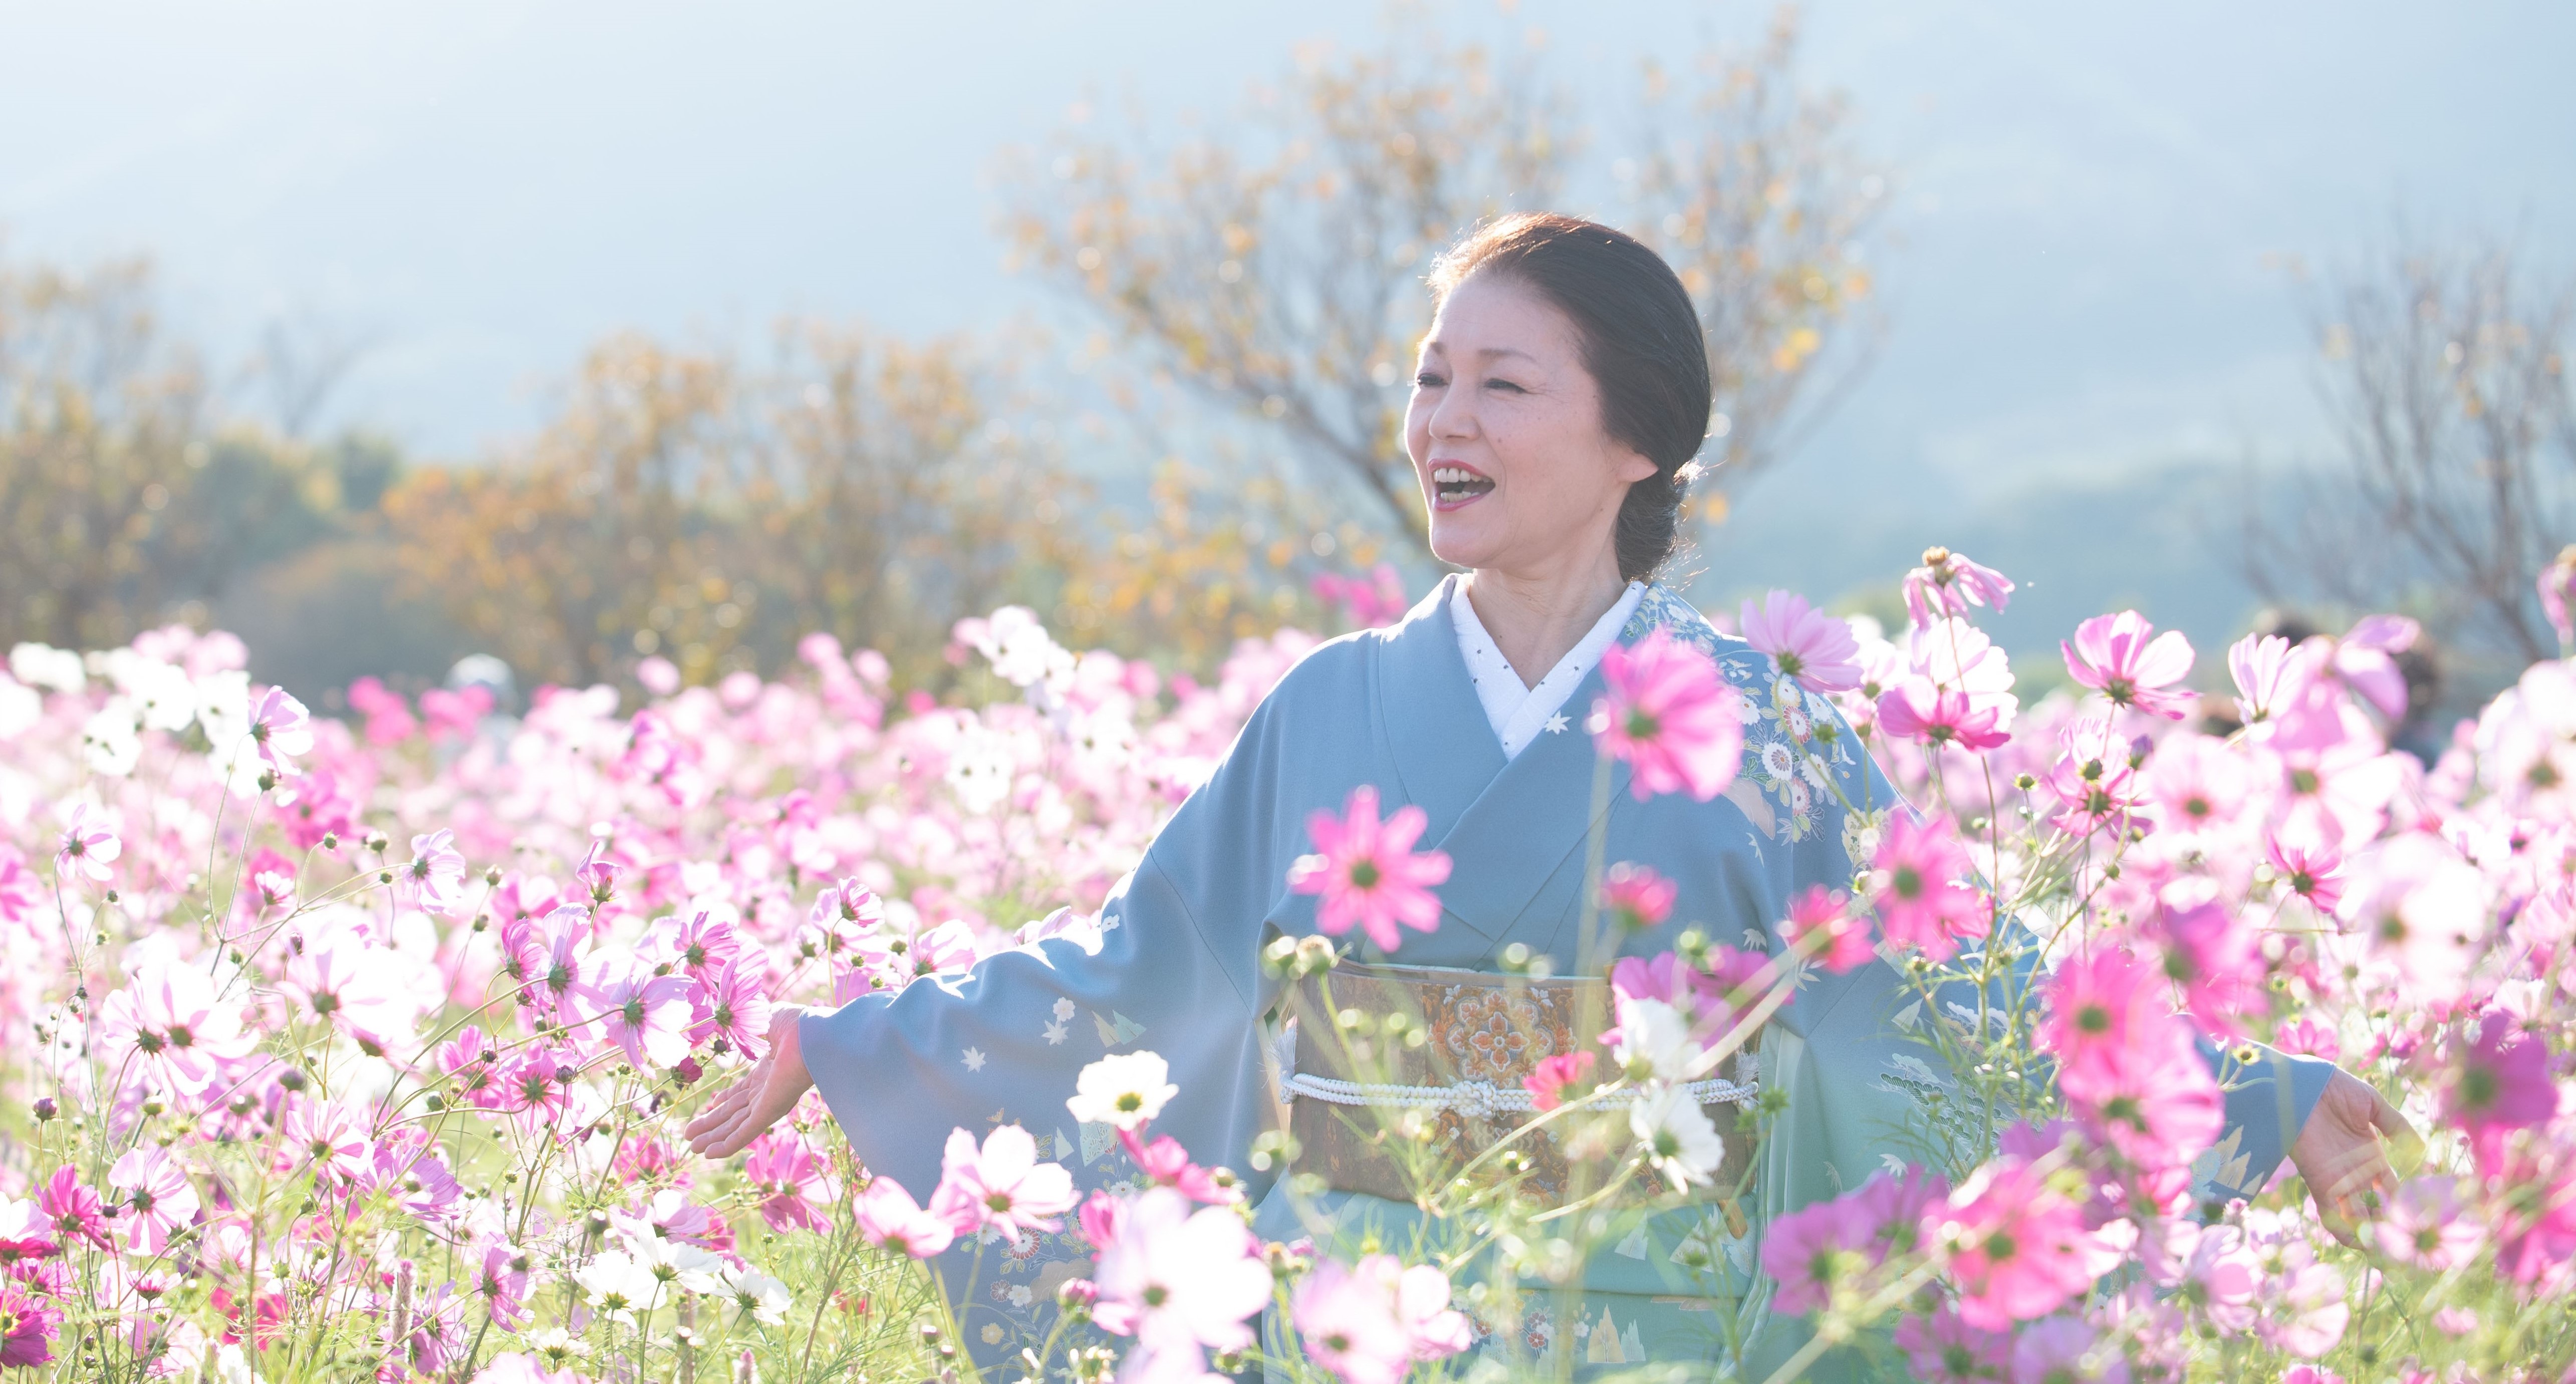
[{"x": 1562, "y": 393}]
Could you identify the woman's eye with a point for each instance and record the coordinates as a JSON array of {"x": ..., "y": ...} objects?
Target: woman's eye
[
  {"x": 1427, "y": 380},
  {"x": 1505, "y": 385}
]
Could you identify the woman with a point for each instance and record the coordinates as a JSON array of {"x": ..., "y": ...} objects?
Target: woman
[{"x": 1563, "y": 391}]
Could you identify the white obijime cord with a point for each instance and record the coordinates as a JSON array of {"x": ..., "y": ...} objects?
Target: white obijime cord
[{"x": 1480, "y": 1099}]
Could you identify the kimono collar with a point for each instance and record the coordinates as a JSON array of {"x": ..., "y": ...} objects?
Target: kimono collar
[{"x": 1507, "y": 827}]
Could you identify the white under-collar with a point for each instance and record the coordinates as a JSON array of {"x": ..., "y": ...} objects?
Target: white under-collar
[{"x": 1517, "y": 713}]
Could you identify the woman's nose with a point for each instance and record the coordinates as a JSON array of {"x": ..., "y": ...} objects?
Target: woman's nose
[{"x": 1452, "y": 417}]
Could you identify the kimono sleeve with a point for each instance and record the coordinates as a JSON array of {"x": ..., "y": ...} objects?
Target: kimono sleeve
[{"x": 1004, "y": 1042}]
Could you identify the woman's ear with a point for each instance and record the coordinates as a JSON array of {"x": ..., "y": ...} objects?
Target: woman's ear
[{"x": 1631, "y": 465}]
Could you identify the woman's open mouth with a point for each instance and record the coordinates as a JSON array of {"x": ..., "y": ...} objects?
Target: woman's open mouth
[{"x": 1453, "y": 485}]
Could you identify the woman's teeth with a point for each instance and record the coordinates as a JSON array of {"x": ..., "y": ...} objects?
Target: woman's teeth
[{"x": 1451, "y": 483}]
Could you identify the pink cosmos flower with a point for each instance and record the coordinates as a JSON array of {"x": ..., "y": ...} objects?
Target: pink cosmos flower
[
  {"x": 2066, "y": 1350},
  {"x": 2501, "y": 1082},
  {"x": 435, "y": 878},
  {"x": 389, "y": 718},
  {"x": 708, "y": 947},
  {"x": 2094, "y": 784},
  {"x": 2269, "y": 673},
  {"x": 793, "y": 1182},
  {"x": 1636, "y": 897},
  {"x": 2426, "y": 1226},
  {"x": 1921, "y": 902},
  {"x": 555, "y": 957},
  {"x": 1001, "y": 1187},
  {"x": 1180, "y": 1278},
  {"x": 27, "y": 1235},
  {"x": 2313, "y": 870},
  {"x": 2101, "y": 1007},
  {"x": 158, "y": 1199},
  {"x": 2114, "y": 655},
  {"x": 501, "y": 1281},
  {"x": 644, "y": 1015},
  {"x": 1803, "y": 643},
  {"x": 89, "y": 844},
  {"x": 281, "y": 728},
  {"x": 1371, "y": 1323},
  {"x": 350, "y": 983},
  {"x": 2015, "y": 1246},
  {"x": 1822, "y": 925},
  {"x": 889, "y": 1217},
  {"x": 2199, "y": 783},
  {"x": 2305, "y": 1037},
  {"x": 329, "y": 1137},
  {"x": 2557, "y": 583},
  {"x": 1547, "y": 1083},
  {"x": 738, "y": 1012},
  {"x": 20, "y": 891},
  {"x": 169, "y": 1030},
  {"x": 598, "y": 875},
  {"x": 1368, "y": 873},
  {"x": 2156, "y": 1103},
  {"x": 1943, "y": 1349},
  {"x": 2216, "y": 959},
  {"x": 27, "y": 1328},
  {"x": 1166, "y": 1164},
  {"x": 1948, "y": 584},
  {"x": 1914, "y": 709},
  {"x": 1811, "y": 1250},
  {"x": 76, "y": 1211},
  {"x": 1671, "y": 716}
]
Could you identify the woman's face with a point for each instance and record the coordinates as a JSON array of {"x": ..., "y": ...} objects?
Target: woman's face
[{"x": 1506, "y": 437}]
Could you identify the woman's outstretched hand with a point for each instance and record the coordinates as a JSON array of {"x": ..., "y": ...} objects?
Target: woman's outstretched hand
[
  {"x": 2340, "y": 1155},
  {"x": 760, "y": 1097}
]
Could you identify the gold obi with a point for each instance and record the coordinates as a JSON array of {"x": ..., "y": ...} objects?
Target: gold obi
[{"x": 1484, "y": 1033}]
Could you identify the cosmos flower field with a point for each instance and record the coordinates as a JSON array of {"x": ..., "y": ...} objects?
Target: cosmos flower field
[{"x": 345, "y": 1048}]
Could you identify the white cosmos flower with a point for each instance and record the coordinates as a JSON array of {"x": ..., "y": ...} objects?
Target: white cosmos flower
[
  {"x": 21, "y": 706},
  {"x": 747, "y": 1292},
  {"x": 674, "y": 1263},
  {"x": 1125, "y": 1090},
  {"x": 1677, "y": 1135},
  {"x": 619, "y": 1286},
  {"x": 111, "y": 739},
  {"x": 43, "y": 665},
  {"x": 1654, "y": 1033}
]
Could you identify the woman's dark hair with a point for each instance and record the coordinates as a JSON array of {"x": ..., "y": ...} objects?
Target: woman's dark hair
[{"x": 1641, "y": 341}]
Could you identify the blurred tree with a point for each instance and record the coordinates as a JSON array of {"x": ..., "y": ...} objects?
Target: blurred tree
[
  {"x": 1273, "y": 265},
  {"x": 2445, "y": 373},
  {"x": 559, "y": 556},
  {"x": 118, "y": 508},
  {"x": 684, "y": 507},
  {"x": 1747, "y": 183}
]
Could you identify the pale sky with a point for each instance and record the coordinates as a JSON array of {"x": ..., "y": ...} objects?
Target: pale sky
[{"x": 2085, "y": 290}]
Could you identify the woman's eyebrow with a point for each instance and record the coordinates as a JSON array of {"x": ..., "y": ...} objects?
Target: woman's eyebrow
[{"x": 1496, "y": 352}]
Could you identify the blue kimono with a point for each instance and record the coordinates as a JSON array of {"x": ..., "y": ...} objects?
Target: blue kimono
[{"x": 1177, "y": 971}]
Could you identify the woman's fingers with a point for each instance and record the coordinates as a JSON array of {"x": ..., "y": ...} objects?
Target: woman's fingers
[{"x": 725, "y": 1101}]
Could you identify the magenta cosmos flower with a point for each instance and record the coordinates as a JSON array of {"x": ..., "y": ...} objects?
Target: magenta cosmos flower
[
  {"x": 1803, "y": 643},
  {"x": 1914, "y": 709},
  {"x": 1001, "y": 1187},
  {"x": 2123, "y": 658},
  {"x": 2502, "y": 1081},
  {"x": 1636, "y": 896},
  {"x": 1368, "y": 873},
  {"x": 1821, "y": 924},
  {"x": 27, "y": 1328},
  {"x": 1671, "y": 716},
  {"x": 643, "y": 1015},
  {"x": 1921, "y": 902},
  {"x": 2015, "y": 1247}
]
